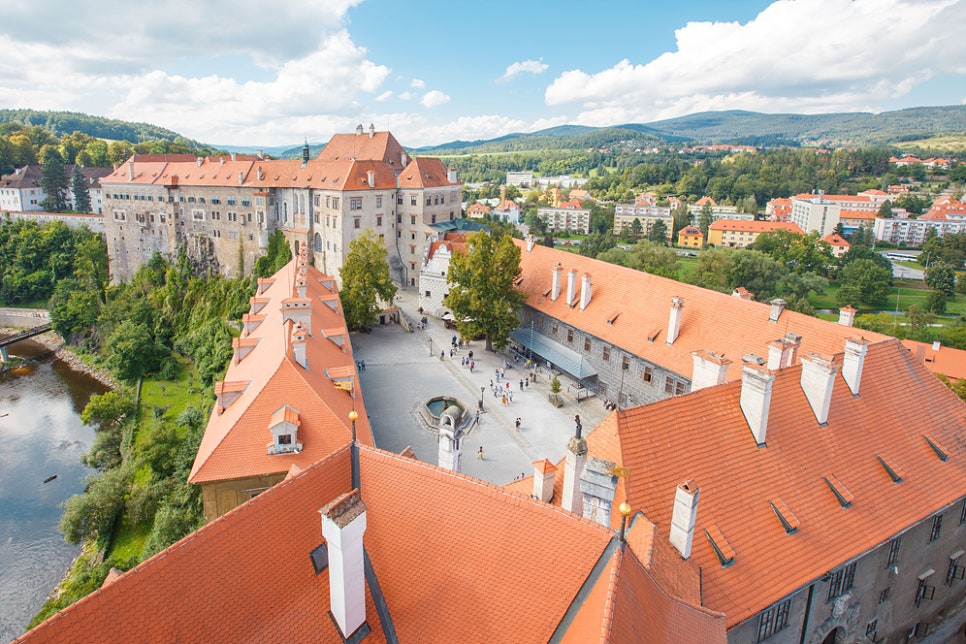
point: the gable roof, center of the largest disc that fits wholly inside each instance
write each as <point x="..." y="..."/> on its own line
<point x="752" y="226"/>
<point x="364" y="146"/>
<point x="704" y="436"/>
<point x="836" y="240"/>
<point x="947" y="361"/>
<point x="424" y="172"/>
<point x="629" y="306"/>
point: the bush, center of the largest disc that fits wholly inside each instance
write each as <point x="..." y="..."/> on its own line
<point x="91" y="515"/>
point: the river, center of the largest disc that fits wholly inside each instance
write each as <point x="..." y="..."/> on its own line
<point x="40" y="435"/>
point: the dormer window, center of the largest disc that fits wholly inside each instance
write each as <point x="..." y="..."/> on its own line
<point x="284" y="425"/>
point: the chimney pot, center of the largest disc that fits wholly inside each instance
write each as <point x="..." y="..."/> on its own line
<point x="709" y="369"/>
<point x="777" y="306"/>
<point x="852" y="363"/>
<point x="846" y="316"/>
<point x="684" y="517"/>
<point x="674" y="321"/>
<point x="543" y="473"/>
<point x="818" y="378"/>
<point x="571" y="285"/>
<point x="755" y="401"/>
<point x="586" y="291"/>
<point x="343" y="525"/>
<point x="572" y="499"/>
<point x="555" y="283"/>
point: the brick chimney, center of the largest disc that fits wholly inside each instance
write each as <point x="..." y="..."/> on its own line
<point x="598" y="485"/>
<point x="585" y="291"/>
<point x="792" y="343"/>
<point x="674" y="322"/>
<point x="818" y="378"/>
<point x="742" y="293"/>
<point x="298" y="346"/>
<point x="555" y="283"/>
<point x="782" y="352"/>
<point x="756" y="386"/>
<point x="709" y="369"/>
<point x="684" y="517"/>
<point x="571" y="499"/>
<point x="543" y="473"/>
<point x="852" y="363"/>
<point x="571" y="285"/>
<point x="343" y="524"/>
<point x="777" y="306"/>
<point x="846" y="315"/>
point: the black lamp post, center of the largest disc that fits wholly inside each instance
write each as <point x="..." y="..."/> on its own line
<point x="482" y="389"/>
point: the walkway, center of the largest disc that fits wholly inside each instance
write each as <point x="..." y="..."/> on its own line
<point x="404" y="369"/>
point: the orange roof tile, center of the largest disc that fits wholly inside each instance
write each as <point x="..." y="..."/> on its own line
<point x="948" y="361"/>
<point x="898" y="402"/>
<point x="836" y="240"/>
<point x="381" y="146"/>
<point x="424" y="172"/>
<point x="755" y="226"/>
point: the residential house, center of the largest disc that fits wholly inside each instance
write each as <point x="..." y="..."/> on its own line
<point x="569" y="216"/>
<point x="838" y="244"/>
<point x="477" y="210"/>
<point x="690" y="237"/>
<point x="731" y="233"/>
<point x="646" y="214"/>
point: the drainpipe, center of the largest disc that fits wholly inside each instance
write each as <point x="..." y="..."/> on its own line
<point x="808" y="609"/>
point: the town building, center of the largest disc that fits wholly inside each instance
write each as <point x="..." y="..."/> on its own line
<point x="817" y="498"/>
<point x="285" y="400"/>
<point x="778" y="209"/>
<point x="838" y="244"/>
<point x="945" y="361"/>
<point x="477" y="210"/>
<point x="732" y="233"/>
<point x="690" y="237"/>
<point x="433" y="287"/>
<point x="72" y="220"/>
<point x="221" y="210"/>
<point x="21" y="191"/>
<point x="946" y="217"/>
<point x="646" y="213"/>
<point x="568" y="216"/>
<point x="718" y="211"/>
<point x="520" y="179"/>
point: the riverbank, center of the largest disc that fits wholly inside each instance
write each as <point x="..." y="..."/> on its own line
<point x="57" y="347"/>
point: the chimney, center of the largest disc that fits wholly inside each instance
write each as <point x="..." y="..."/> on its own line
<point x="742" y="293"/>
<point x="451" y="175"/>
<point x="259" y="154"/>
<point x="300" y="286"/>
<point x="756" y="385"/>
<point x="571" y="285"/>
<point x="372" y="130"/>
<point x="777" y="306"/>
<point x="936" y="345"/>
<point x="221" y="160"/>
<point x="852" y="363"/>
<point x="261" y="175"/>
<point x="555" y="284"/>
<point x="298" y="346"/>
<point x="818" y="378"/>
<point x="241" y="178"/>
<point x="684" y="516"/>
<point x="585" y="291"/>
<point x="709" y="369"/>
<point x="792" y="342"/>
<point x="371" y="179"/>
<point x="531" y="242"/>
<point x="543" y="473"/>
<point x="782" y="352"/>
<point x="343" y="524"/>
<point x="598" y="485"/>
<point x="404" y="158"/>
<point x="130" y="170"/>
<point x="674" y="322"/>
<point x="572" y="500"/>
<point x="846" y="315"/>
<point x="297" y="310"/>
<point x="359" y="130"/>
<point x="233" y="156"/>
<point x="199" y="161"/>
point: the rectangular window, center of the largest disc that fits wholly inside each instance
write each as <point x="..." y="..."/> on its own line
<point x="429" y="294"/>
<point x="284" y="439"/>
<point x="317" y="217"/>
<point x="398" y="200"/>
<point x="230" y="201"/>
<point x="884" y="595"/>
<point x="586" y="344"/>
<point x="605" y="354"/>
<point x="937" y="528"/>
<point x="841" y="581"/>
<point x="955" y="571"/>
<point x="773" y="620"/>
<point x="198" y="215"/>
<point x="335" y="202"/>
<point x="894" y="546"/>
<point x="412" y="250"/>
<point x="356" y="222"/>
<point x="216" y="233"/>
<point x="625" y="363"/>
<point x="412" y="200"/>
<point x="412" y="220"/>
<point x="379" y="220"/>
<point x="429" y="200"/>
<point x="553" y="328"/>
<point x="355" y="203"/>
<point x="570" y="336"/>
<point x="924" y="590"/>
<point x="434" y="219"/>
<point x="962" y="513"/>
<point x="647" y="374"/>
<point x="379" y="202"/>
<point x="870" y="629"/>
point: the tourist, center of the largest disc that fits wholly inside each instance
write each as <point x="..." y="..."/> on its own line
<point x="479" y="453"/>
<point x="517" y="423"/>
<point x="526" y="382"/>
<point x="521" y="384"/>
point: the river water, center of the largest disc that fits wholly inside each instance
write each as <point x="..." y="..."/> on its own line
<point x="40" y="435"/>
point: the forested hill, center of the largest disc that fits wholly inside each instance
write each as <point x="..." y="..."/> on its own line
<point x="736" y="127"/>
<point x="61" y="123"/>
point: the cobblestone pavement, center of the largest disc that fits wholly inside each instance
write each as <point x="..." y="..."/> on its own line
<point x="404" y="370"/>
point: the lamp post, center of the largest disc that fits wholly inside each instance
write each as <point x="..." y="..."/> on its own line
<point x="431" y="354"/>
<point x="482" y="389"/>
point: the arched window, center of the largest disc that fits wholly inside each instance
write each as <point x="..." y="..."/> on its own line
<point x="318" y="243"/>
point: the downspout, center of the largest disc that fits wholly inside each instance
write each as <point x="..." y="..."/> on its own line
<point x="808" y="609"/>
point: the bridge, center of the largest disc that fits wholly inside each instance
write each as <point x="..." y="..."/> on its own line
<point x="23" y="335"/>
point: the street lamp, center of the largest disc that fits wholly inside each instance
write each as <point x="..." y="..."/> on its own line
<point x="431" y="354"/>
<point x="482" y="389"/>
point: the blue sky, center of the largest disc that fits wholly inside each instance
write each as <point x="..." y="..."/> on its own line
<point x="249" y="73"/>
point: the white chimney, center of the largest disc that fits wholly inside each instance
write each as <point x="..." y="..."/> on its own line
<point x="571" y="285"/>
<point x="298" y="346"/>
<point x="359" y="130"/>
<point x="777" y="306"/>
<point x="709" y="369"/>
<point x="598" y="486"/>
<point x="852" y="363"/>
<point x="531" y="242"/>
<point x="585" y="291"/>
<point x="756" y="386"/>
<point x="818" y="378"/>
<point x="343" y="524"/>
<point x="372" y="130"/>
<point x="130" y="170"/>
<point x="572" y="499"/>
<point x="300" y="286"/>
<point x="241" y="178"/>
<point x="199" y="161"/>
<point x="371" y="179"/>
<point x="233" y="157"/>
<point x="543" y="473"/>
<point x="404" y="158"/>
<point x="297" y="310"/>
<point x="684" y="517"/>
<point x="741" y="293"/>
<point x="846" y="315"/>
<point x="451" y="175"/>
<point x="555" y="283"/>
<point x="792" y="342"/>
<point x="674" y="322"/>
<point x="936" y="345"/>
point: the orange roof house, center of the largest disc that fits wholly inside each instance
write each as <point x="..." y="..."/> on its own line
<point x="690" y="237"/>
<point x="365" y="146"/>
<point x="802" y="482"/>
<point x="839" y="244"/>
<point x="447" y="559"/>
<point x="946" y="361"/>
<point x="477" y="210"/>
<point x="739" y="233"/>
<point x="286" y="396"/>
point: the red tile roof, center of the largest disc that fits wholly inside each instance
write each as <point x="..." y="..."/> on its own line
<point x="705" y="436"/>
<point x="836" y="240"/>
<point x="752" y="226"/>
<point x="424" y="172"/>
<point x="948" y="361"/>
<point x="381" y="146"/>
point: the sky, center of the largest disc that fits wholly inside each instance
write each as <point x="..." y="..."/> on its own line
<point x="263" y="74"/>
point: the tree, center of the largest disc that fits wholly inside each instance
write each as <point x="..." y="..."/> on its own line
<point x="82" y="195"/>
<point x="596" y="243"/>
<point x="365" y="279"/>
<point x="885" y="210"/>
<point x="53" y="179"/>
<point x="109" y="409"/>
<point x="936" y="302"/>
<point x="713" y="269"/>
<point x="654" y="258"/>
<point x="941" y="277"/>
<point x="483" y="295"/>
<point x="636" y="229"/>
<point x="276" y="256"/>
<point x="758" y="273"/>
<point x="705" y="219"/>
<point x="658" y="232"/>
<point x="864" y="281"/>
<point x="132" y="351"/>
<point x="680" y="218"/>
<point x="92" y="514"/>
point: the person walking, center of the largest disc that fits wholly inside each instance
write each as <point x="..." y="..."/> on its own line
<point x="517" y="423"/>
<point x="521" y="384"/>
<point x="479" y="453"/>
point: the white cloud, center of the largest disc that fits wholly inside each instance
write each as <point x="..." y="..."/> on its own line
<point x="385" y="96"/>
<point x="415" y="130"/>
<point x="815" y="56"/>
<point x="418" y="84"/>
<point x="434" y="98"/>
<point x="406" y="96"/>
<point x="526" y="66"/>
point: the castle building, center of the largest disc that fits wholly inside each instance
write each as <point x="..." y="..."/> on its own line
<point x="221" y="210"/>
<point x="21" y="191"/>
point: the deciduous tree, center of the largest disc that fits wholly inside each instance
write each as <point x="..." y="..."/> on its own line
<point x="365" y="280"/>
<point x="863" y="281"/>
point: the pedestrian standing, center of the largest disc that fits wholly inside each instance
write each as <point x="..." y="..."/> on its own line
<point x="504" y="400"/>
<point x="517" y="423"/>
<point x="521" y="384"/>
<point x="509" y="395"/>
<point x="442" y="355"/>
<point x="479" y="453"/>
<point x="472" y="366"/>
<point x="526" y="382"/>
<point x="471" y="355"/>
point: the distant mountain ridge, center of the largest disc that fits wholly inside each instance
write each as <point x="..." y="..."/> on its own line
<point x="61" y="123"/>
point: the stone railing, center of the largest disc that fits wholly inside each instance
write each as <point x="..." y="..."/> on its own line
<point x="23" y="318"/>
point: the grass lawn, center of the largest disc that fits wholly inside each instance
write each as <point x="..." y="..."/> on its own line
<point x="171" y="395"/>
<point x="686" y="266"/>
<point x="129" y="540"/>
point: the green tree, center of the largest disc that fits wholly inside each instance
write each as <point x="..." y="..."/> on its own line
<point x="365" y="280"/>
<point x="636" y="229"/>
<point x="705" y="219"/>
<point x="758" y="273"/>
<point x="53" y="180"/>
<point x="277" y="255"/>
<point x="82" y="195"/>
<point x="92" y="514"/>
<point x="864" y="281"/>
<point x="885" y="210"/>
<point x="655" y="258"/>
<point x="658" y="232"/>
<point x="483" y="296"/>
<point x="596" y="243"/>
<point x="941" y="277"/>
<point x="714" y="269"/>
<point x="132" y="351"/>
<point x="680" y="218"/>
<point x="936" y="302"/>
